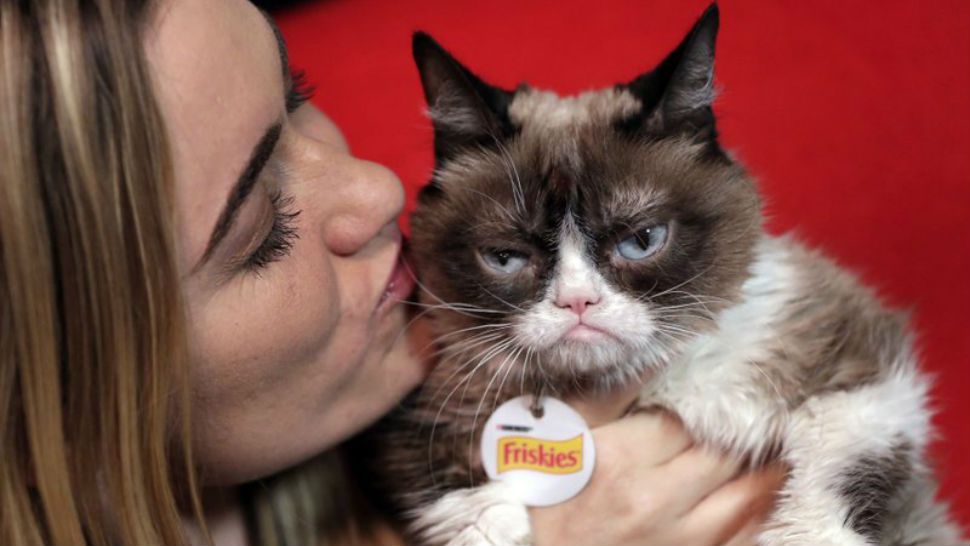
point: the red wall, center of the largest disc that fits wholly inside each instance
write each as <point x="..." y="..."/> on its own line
<point x="855" y="118"/>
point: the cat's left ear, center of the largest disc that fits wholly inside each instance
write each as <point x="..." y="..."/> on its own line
<point x="677" y="95"/>
<point x="465" y="111"/>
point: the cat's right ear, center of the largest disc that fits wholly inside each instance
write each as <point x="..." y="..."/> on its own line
<point x="465" y="111"/>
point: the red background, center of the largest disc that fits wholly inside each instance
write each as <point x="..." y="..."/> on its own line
<point x="855" y="117"/>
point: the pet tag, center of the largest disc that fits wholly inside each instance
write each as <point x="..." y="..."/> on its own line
<point x="546" y="459"/>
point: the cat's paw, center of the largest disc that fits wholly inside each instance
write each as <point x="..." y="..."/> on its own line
<point x="480" y="516"/>
<point x="820" y="535"/>
<point x="500" y="525"/>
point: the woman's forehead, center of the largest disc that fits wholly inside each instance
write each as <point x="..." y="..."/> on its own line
<point x="218" y="80"/>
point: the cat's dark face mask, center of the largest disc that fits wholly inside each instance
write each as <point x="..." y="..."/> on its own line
<point x="585" y="236"/>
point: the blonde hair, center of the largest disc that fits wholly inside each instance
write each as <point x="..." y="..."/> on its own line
<point x="93" y="385"/>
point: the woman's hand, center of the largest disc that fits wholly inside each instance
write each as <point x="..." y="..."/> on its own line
<point x="652" y="487"/>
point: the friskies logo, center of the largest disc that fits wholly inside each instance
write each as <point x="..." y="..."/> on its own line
<point x="547" y="456"/>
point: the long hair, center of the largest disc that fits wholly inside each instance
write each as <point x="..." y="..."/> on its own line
<point x="94" y="423"/>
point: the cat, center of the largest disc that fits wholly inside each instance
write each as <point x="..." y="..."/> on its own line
<point x="579" y="243"/>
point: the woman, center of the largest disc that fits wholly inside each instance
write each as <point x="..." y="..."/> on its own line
<point x="201" y="288"/>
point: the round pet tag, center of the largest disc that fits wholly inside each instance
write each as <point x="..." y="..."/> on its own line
<point x="546" y="459"/>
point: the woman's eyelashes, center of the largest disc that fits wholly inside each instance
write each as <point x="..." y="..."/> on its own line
<point x="299" y="90"/>
<point x="282" y="234"/>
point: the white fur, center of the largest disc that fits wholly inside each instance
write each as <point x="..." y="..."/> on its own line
<point x="556" y="121"/>
<point x="545" y="110"/>
<point x="480" y="516"/>
<point x="716" y="389"/>
<point x="714" y="386"/>
<point x="825" y="436"/>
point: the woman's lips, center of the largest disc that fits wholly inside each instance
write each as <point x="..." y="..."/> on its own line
<point x="399" y="286"/>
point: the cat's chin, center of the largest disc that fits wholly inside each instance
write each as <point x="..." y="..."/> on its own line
<point x="604" y="359"/>
<point x="590" y="352"/>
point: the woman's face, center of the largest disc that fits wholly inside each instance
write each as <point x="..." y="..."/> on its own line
<point x="289" y="249"/>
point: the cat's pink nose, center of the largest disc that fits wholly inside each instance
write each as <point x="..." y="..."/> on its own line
<point x="577" y="301"/>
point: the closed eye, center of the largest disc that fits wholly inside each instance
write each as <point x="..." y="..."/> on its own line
<point x="281" y="237"/>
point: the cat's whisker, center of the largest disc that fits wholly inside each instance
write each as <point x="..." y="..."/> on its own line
<point x="489" y="327"/>
<point x="666" y="333"/>
<point x="408" y="325"/>
<point x="497" y="326"/>
<point x="517" y="182"/>
<point x="489" y="292"/>
<point x="489" y="338"/>
<point x="478" y="409"/>
<point x="452" y="351"/>
<point x="525" y="367"/>
<point x="484" y="360"/>
<point x="703" y="299"/>
<point x="501" y="386"/>
<point x="688" y="306"/>
<point x="431" y="307"/>
<point x="544" y="376"/>
<point x="417" y="317"/>
<point x="672" y="328"/>
<point x="463" y="345"/>
<point x="686" y="315"/>
<point x="427" y="290"/>
<point x="518" y="195"/>
<point x="454" y="307"/>
<point x="697" y="298"/>
<point x="502" y="207"/>
<point x="688" y="281"/>
<point x="478" y="364"/>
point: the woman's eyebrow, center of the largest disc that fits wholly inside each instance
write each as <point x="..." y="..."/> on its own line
<point x="257" y="159"/>
<point x="242" y="188"/>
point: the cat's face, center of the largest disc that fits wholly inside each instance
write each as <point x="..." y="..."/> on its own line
<point x="584" y="236"/>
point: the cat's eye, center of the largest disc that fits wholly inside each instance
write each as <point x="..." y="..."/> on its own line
<point x="504" y="260"/>
<point x="643" y="244"/>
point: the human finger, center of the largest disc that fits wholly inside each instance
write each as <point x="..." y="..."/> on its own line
<point x="747" y="536"/>
<point x="727" y="511"/>
<point x="695" y="474"/>
<point x="655" y="437"/>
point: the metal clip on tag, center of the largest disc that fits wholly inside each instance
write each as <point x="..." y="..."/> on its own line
<point x="535" y="407"/>
<point x="539" y="446"/>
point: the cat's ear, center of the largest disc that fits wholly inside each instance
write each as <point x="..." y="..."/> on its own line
<point x="465" y="110"/>
<point x="678" y="94"/>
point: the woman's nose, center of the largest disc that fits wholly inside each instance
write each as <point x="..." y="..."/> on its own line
<point x="370" y="198"/>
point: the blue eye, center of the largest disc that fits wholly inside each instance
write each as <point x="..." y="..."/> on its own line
<point x="643" y="244"/>
<point x="504" y="261"/>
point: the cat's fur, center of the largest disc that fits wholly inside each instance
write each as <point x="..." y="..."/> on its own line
<point x="765" y="349"/>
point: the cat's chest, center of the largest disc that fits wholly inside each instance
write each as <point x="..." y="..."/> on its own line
<point x="730" y="404"/>
<point x="728" y="385"/>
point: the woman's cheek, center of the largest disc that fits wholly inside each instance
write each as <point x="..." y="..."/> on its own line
<point x="259" y="334"/>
